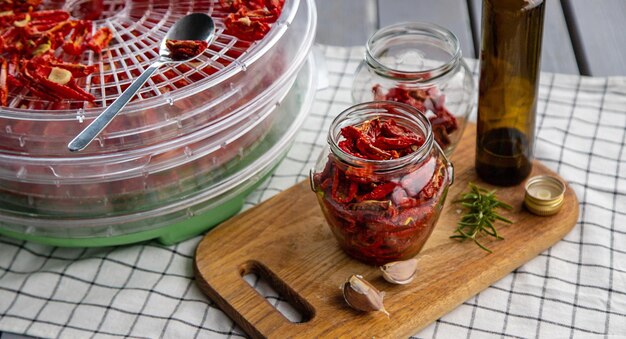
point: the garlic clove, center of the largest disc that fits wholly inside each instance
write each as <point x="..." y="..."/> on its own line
<point x="400" y="272"/>
<point x="362" y="295"/>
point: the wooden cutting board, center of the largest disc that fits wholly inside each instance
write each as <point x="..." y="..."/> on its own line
<point x="286" y="241"/>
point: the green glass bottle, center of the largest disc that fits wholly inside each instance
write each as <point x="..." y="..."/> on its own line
<point x="509" y="80"/>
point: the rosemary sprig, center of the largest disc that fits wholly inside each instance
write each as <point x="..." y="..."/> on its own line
<point x="480" y="216"/>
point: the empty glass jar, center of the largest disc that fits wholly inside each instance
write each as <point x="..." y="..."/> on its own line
<point x="381" y="210"/>
<point x="419" y="64"/>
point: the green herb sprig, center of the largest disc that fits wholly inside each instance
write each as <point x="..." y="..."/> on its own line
<point x="480" y="216"/>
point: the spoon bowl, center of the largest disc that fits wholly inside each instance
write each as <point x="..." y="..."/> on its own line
<point x="196" y="27"/>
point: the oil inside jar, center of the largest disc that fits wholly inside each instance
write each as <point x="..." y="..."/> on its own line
<point x="502" y="156"/>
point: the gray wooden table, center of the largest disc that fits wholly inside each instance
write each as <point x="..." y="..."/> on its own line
<point x="585" y="37"/>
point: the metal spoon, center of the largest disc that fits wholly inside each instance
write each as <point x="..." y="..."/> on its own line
<point x="196" y="26"/>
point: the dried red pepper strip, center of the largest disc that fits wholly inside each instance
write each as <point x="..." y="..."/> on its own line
<point x="379" y="192"/>
<point x="75" y="45"/>
<point x="82" y="94"/>
<point x="360" y="175"/>
<point x="23" y="5"/>
<point x="261" y="15"/>
<point x="427" y="100"/>
<point x="351" y="133"/>
<point x="339" y="192"/>
<point x="387" y="143"/>
<point x="391" y="129"/>
<point x="54" y="15"/>
<point x="34" y="88"/>
<point x="10" y="39"/>
<point x="77" y="70"/>
<point x="372" y="152"/>
<point x="68" y="91"/>
<point x="379" y="140"/>
<point x="55" y="33"/>
<point x="100" y="39"/>
<point x="4" y="89"/>
<point x="348" y="147"/>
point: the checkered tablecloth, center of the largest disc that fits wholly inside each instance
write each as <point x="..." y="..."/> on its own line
<point x="577" y="288"/>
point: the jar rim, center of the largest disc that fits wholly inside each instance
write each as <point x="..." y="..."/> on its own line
<point x="415" y="31"/>
<point x="402" y="113"/>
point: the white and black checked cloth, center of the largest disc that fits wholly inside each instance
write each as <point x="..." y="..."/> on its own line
<point x="577" y="288"/>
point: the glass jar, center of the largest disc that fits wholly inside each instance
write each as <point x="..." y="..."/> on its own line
<point x="419" y="64"/>
<point x="382" y="210"/>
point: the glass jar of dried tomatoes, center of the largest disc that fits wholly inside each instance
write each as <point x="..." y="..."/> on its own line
<point x="419" y="64"/>
<point x="382" y="181"/>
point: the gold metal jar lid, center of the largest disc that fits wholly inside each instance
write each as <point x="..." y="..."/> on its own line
<point x="544" y="195"/>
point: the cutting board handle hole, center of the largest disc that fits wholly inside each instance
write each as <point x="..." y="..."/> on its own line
<point x="280" y="295"/>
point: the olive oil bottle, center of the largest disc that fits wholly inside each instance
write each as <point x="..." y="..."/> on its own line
<point x="509" y="80"/>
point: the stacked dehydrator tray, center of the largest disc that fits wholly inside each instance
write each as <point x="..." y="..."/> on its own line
<point x="181" y="157"/>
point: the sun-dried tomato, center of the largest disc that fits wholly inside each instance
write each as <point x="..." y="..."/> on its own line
<point x="29" y="43"/>
<point x="77" y="70"/>
<point x="250" y="20"/>
<point x="100" y="39"/>
<point x="379" y="140"/>
<point x="245" y="28"/>
<point x="39" y="77"/>
<point x="343" y="191"/>
<point x="88" y="10"/>
<point x="185" y="49"/>
<point x="430" y="102"/>
<point x="235" y="5"/>
<point x="21" y="5"/>
<point x="379" y="192"/>
<point x="76" y="44"/>
<point x="4" y="93"/>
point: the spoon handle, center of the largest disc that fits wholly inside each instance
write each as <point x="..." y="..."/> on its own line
<point x="84" y="138"/>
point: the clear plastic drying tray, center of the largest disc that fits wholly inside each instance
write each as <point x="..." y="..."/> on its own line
<point x="176" y="101"/>
<point x="214" y="143"/>
<point x="190" y="213"/>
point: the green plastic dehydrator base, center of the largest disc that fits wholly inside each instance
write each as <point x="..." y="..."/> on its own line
<point x="168" y="235"/>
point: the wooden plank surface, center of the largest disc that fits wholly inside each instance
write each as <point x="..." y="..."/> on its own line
<point x="451" y="14"/>
<point x="599" y="35"/>
<point x="286" y="241"/>
<point x="557" y="51"/>
<point x="346" y="22"/>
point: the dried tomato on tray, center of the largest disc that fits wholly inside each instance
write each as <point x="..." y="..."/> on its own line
<point x="251" y="20"/>
<point x="185" y="49"/>
<point x="28" y="33"/>
<point x="30" y="41"/>
<point x="379" y="213"/>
